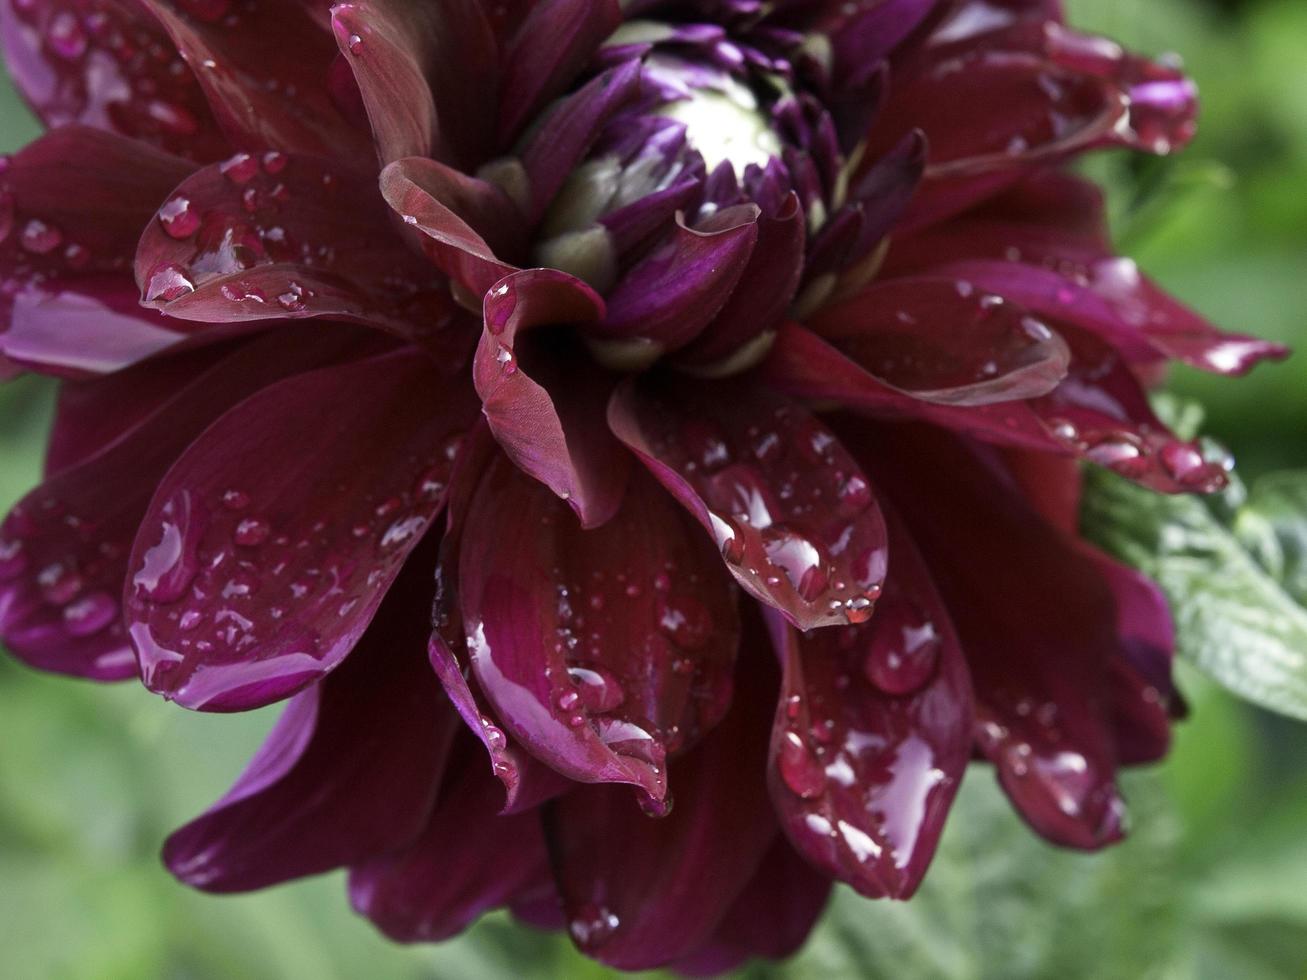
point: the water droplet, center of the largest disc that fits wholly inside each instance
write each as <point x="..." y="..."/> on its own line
<point x="240" y="168"/>
<point x="355" y="44"/>
<point x="167" y="283"/>
<point x="40" y="238"/>
<point x="90" y="614"/>
<point x="178" y="218"/>
<point x="685" y="621"/>
<point x="59" y="583"/>
<point x="799" y="768"/>
<point x="593" y="925"/>
<point x="799" y="558"/>
<point x="905" y="649"/>
<point x="598" y="689"/>
<point x="251" y="532"/>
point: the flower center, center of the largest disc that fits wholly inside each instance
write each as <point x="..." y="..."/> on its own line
<point x="723" y="121"/>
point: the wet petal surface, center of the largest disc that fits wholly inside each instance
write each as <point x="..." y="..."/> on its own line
<point x="269" y="545"/>
<point x="791" y="511"/>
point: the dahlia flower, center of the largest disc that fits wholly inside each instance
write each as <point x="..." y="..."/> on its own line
<point x="572" y="406"/>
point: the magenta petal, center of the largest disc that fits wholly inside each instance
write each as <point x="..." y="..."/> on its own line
<point x="70" y="74"/>
<point x="640" y="892"/>
<point x="426" y="73"/>
<point x="468" y="860"/>
<point x="262" y="96"/>
<point x="70" y="307"/>
<point x="548" y="411"/>
<point x="771" y="918"/>
<point x="459" y="216"/>
<point x="671" y="294"/>
<point x="792" y="513"/>
<point x="270" y="543"/>
<point x="873" y="734"/>
<point x="602" y="651"/>
<point x="274" y="236"/>
<point x="770" y="279"/>
<point x="64" y="547"/>
<point x="1035" y="618"/>
<point x="552" y="152"/>
<point x="349" y="772"/>
<point x="944" y="341"/>
<point x="552" y="44"/>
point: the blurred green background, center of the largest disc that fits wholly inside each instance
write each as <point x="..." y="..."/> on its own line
<point x="1211" y="884"/>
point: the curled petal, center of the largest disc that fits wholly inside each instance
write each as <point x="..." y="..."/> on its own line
<point x="270" y="543"/>
<point x="791" y="511"/>
<point x="64" y="547"/>
<point x="429" y="891"/>
<point x="349" y="772"/>
<point x="603" y="651"/>
<point x="547" y="410"/>
<point x="942" y="340"/>
<point x="873" y="734"/>
<point x="1099" y="411"/>
<point x="427" y="74"/>
<point x="460" y="217"/>
<point x="670" y="295"/>
<point x="262" y="98"/>
<point x="640" y="892"/>
<point x="71" y="74"/>
<point x="274" y="236"/>
<point x="1038" y="627"/>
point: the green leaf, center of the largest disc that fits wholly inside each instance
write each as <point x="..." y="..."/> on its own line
<point x="1224" y="565"/>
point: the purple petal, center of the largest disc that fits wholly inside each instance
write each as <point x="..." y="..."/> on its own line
<point x="873" y="734"/>
<point x="274" y="236"/>
<point x="1035" y="618"/>
<point x="65" y="545"/>
<point x="551" y="45"/>
<point x="270" y="543"/>
<point x="792" y="513"/>
<point x="675" y="291"/>
<point x="640" y="892"/>
<point x="547" y="411"/>
<point x="603" y="651"/>
<point x="468" y="860"/>
<point x="349" y="772"/>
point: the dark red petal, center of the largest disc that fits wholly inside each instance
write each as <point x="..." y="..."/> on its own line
<point x="603" y="651"/>
<point x="547" y="409"/>
<point x="459" y="216"/>
<point x="676" y="290"/>
<point x="427" y="75"/>
<point x="640" y="892"/>
<point x="92" y="414"/>
<point x="109" y="65"/>
<point x="68" y="305"/>
<point x="263" y="68"/>
<point x="469" y="860"/>
<point x="1035" y="618"/>
<point x="873" y="734"/>
<point x="273" y="236"/>
<point x="942" y="340"/>
<point x="1144" y="697"/>
<point x="64" y="547"/>
<point x="1099" y="411"/>
<point x="350" y="771"/>
<point x="1109" y="297"/>
<point x="270" y="543"/>
<point x="771" y="918"/>
<point x="551" y="45"/>
<point x="792" y="513"/>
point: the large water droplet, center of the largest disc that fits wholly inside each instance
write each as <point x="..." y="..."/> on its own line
<point x="799" y="768"/>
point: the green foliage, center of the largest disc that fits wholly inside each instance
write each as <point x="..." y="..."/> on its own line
<point x="1223" y="566"/>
